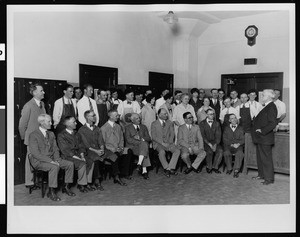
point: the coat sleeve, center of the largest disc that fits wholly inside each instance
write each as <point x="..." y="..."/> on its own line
<point x="23" y="123"/>
<point x="272" y="120"/>
<point x="153" y="133"/>
<point x="146" y="135"/>
<point x="55" y="149"/>
<point x="129" y="138"/>
<point x="200" y="139"/>
<point x="64" y="145"/>
<point x="226" y="138"/>
<point x="35" y="151"/>
<point x="202" y="130"/>
<point x="180" y="138"/>
<point x="83" y="139"/>
<point x="241" y="137"/>
<point x="218" y="133"/>
<point x="57" y="111"/>
<point x="172" y="133"/>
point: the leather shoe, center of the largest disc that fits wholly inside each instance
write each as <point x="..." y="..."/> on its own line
<point x="118" y="181"/>
<point x="267" y="182"/>
<point x="145" y="175"/>
<point x="68" y="191"/>
<point x="33" y="187"/>
<point x="257" y="178"/>
<point x="167" y="173"/>
<point x="139" y="168"/>
<point x="52" y="195"/>
<point x="99" y="186"/>
<point x="82" y="188"/>
<point x="235" y="174"/>
<point x="216" y="171"/>
<point x="229" y="172"/>
<point x="89" y="187"/>
<point x="208" y="170"/>
<point x="188" y="170"/>
<point x="173" y="172"/>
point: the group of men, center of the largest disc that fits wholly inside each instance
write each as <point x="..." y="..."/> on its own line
<point x="80" y="144"/>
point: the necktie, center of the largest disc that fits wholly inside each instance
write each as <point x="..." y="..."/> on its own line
<point x="163" y="124"/>
<point x="129" y="102"/>
<point x="70" y="102"/>
<point x="214" y="100"/>
<point x="41" y="105"/>
<point x="91" y="106"/>
<point x="210" y="121"/>
<point x="190" y="126"/>
<point x="138" y="128"/>
<point x="47" y="139"/>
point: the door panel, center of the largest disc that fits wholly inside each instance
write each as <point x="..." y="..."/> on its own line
<point x="161" y="81"/>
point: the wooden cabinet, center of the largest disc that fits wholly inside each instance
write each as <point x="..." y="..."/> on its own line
<point x="280" y="153"/>
<point x="53" y="90"/>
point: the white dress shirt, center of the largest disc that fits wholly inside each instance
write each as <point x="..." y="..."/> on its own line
<point x="134" y="106"/>
<point x="43" y="130"/>
<point x="159" y="102"/>
<point x="281" y="108"/>
<point x="255" y="107"/>
<point x="83" y="105"/>
<point x="58" y="109"/>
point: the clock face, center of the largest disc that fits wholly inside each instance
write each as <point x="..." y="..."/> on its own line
<point x="251" y="32"/>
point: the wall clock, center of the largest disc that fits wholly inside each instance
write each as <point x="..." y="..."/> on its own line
<point x="251" y="32"/>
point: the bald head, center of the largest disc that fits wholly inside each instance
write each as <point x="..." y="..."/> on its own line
<point x="135" y="119"/>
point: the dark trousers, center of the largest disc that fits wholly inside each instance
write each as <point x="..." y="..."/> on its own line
<point x="265" y="162"/>
<point x="97" y="170"/>
<point x="114" y="166"/>
<point x="125" y="161"/>
<point x="239" y="156"/>
<point x="210" y="155"/>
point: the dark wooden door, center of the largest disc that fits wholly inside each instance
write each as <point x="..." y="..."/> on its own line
<point x="244" y="82"/>
<point x="99" y="77"/>
<point x="160" y="81"/>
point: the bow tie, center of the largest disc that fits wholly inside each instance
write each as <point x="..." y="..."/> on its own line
<point x="129" y="102"/>
<point x="210" y="121"/>
<point x="233" y="126"/>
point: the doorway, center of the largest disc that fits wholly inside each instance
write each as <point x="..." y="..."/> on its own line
<point x="160" y="81"/>
<point x="259" y="81"/>
<point x="99" y="77"/>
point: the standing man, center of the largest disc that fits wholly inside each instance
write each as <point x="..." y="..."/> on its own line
<point x="114" y="141"/>
<point x="72" y="149"/>
<point x="45" y="156"/>
<point x="201" y="95"/>
<point x="163" y="137"/>
<point x="233" y="141"/>
<point x="29" y="122"/>
<point x="191" y="143"/>
<point x="77" y="94"/>
<point x="159" y="102"/>
<point x="137" y="139"/>
<point x="148" y="92"/>
<point x="114" y="98"/>
<point x="214" y="102"/>
<point x="224" y="115"/>
<point x="102" y="107"/>
<point x="281" y="108"/>
<point x="63" y="107"/>
<point x="177" y="98"/>
<point x="245" y="113"/>
<point x="139" y="98"/>
<point x="234" y="98"/>
<point x="263" y="137"/>
<point x="194" y="101"/>
<point x="96" y="153"/>
<point x="255" y="106"/>
<point x="212" y="134"/>
<point x="221" y="93"/>
<point x="87" y="103"/>
<point x="128" y="106"/>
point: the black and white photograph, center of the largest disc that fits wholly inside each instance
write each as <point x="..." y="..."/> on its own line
<point x="151" y="118"/>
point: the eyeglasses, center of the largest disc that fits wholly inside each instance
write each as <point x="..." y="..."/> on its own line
<point x="189" y="117"/>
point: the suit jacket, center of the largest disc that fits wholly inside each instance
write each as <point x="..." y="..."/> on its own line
<point x="113" y="136"/>
<point x="70" y="144"/>
<point x="39" y="148"/>
<point x="28" y="121"/>
<point x="130" y="132"/>
<point x="266" y="121"/>
<point x="216" y="107"/>
<point x="230" y="137"/>
<point x="162" y="134"/>
<point x="211" y="134"/>
<point x="188" y="138"/>
<point x="91" y="138"/>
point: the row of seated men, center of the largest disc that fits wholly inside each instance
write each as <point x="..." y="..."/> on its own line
<point x="137" y="135"/>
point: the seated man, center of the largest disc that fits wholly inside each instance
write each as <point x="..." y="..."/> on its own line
<point x="72" y="149"/>
<point x="93" y="142"/>
<point x="45" y="156"/>
<point x="191" y="142"/>
<point x="211" y="133"/>
<point x="137" y="139"/>
<point x="163" y="137"/>
<point x="233" y="141"/>
<point x="114" y="141"/>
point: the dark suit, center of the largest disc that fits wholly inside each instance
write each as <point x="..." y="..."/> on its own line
<point x="216" y="107"/>
<point x="93" y="139"/>
<point x="191" y="142"/>
<point x="233" y="137"/>
<point x="196" y="105"/>
<point x="165" y="134"/>
<point x="71" y="145"/>
<point x="43" y="151"/>
<point x="138" y="146"/>
<point x="212" y="134"/>
<point x="266" y="121"/>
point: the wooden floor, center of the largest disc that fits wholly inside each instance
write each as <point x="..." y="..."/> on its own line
<point x="191" y="189"/>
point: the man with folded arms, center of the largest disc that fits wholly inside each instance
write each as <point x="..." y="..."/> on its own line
<point x="45" y="156"/>
<point x="137" y="139"/>
<point x="163" y="137"/>
<point x="212" y="134"/>
<point x="233" y="141"/>
<point x="114" y="141"/>
<point x="72" y="149"/>
<point x="191" y="143"/>
<point x="93" y="142"/>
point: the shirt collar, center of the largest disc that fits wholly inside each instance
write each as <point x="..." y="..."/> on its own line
<point x="89" y="126"/>
<point x="188" y="125"/>
<point x="135" y="126"/>
<point x="267" y="103"/>
<point x="43" y="130"/>
<point x="69" y="131"/>
<point x="161" y="121"/>
<point x="209" y="120"/>
<point x="111" y="123"/>
<point x="38" y="102"/>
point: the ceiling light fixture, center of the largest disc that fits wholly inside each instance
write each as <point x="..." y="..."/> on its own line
<point x="171" y="18"/>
